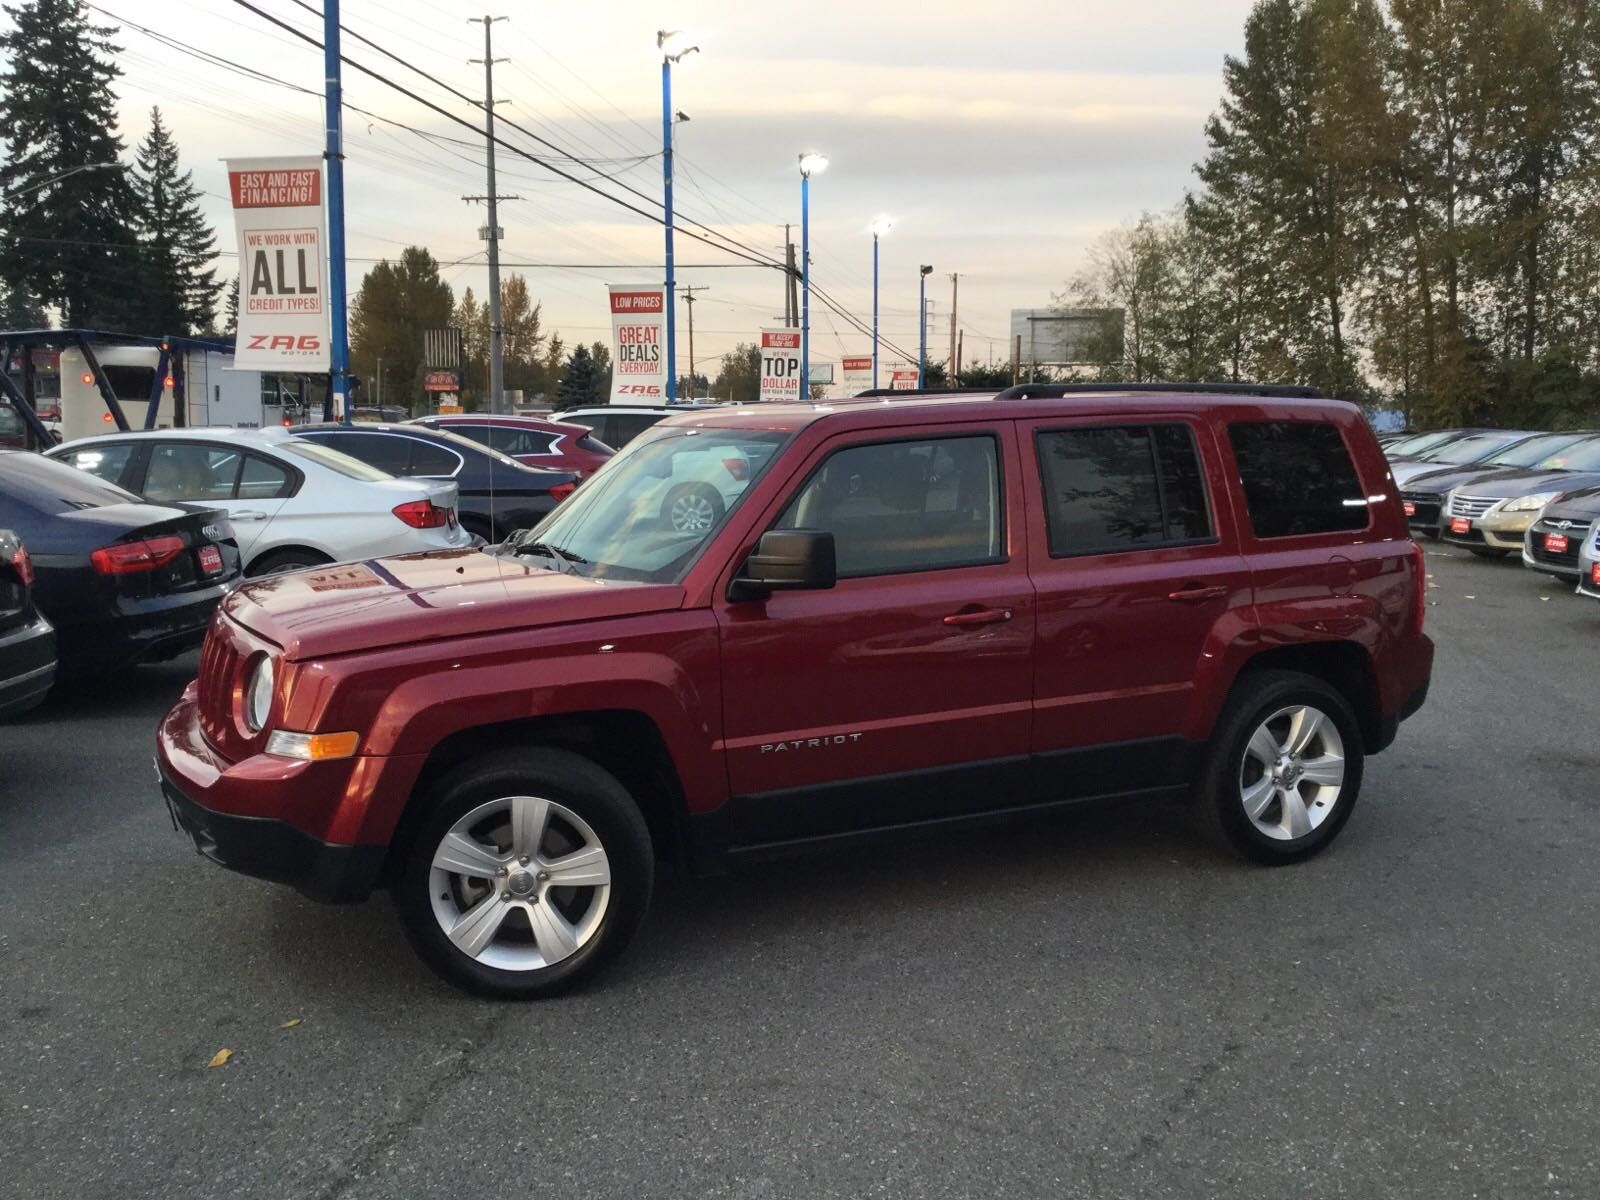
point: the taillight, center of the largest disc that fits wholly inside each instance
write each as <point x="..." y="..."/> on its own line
<point x="24" y="566"/>
<point x="1420" y="562"/>
<point x="739" y="468"/>
<point x="561" y="491"/>
<point x="130" y="558"/>
<point x="422" y="514"/>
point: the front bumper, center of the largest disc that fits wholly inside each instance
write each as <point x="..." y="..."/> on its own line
<point x="254" y="816"/>
<point x="1495" y="531"/>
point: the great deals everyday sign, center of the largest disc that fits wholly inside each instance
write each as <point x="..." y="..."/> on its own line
<point x="638" y="345"/>
<point x="283" y="307"/>
<point x="780" y="364"/>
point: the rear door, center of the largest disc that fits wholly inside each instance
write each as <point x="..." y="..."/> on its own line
<point x="1133" y="555"/>
<point x="901" y="694"/>
<point x="249" y="487"/>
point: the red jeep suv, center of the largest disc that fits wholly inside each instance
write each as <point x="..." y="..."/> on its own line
<point x="904" y="614"/>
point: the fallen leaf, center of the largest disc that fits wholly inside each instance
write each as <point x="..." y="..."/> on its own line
<point x="220" y="1057"/>
<point x="290" y="1024"/>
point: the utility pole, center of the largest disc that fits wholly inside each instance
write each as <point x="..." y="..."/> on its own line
<point x="491" y="231"/>
<point x="961" y="339"/>
<point x="339" y="351"/>
<point x="688" y="298"/>
<point x="791" y="298"/>
<point x="950" y="362"/>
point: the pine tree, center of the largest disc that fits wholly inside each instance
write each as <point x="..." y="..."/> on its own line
<point x="581" y="382"/>
<point x="181" y="288"/>
<point x="396" y="304"/>
<point x="68" y="226"/>
<point x="231" y="309"/>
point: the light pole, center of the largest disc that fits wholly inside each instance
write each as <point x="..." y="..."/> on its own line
<point x="922" y="326"/>
<point x="670" y="43"/>
<point x="880" y="227"/>
<point x="99" y="166"/>
<point x="810" y="164"/>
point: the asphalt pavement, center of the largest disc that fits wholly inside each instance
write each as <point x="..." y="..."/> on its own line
<point x="1104" y="1006"/>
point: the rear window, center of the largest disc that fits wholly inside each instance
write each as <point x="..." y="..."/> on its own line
<point x="1298" y="478"/>
<point x="52" y="487"/>
<point x="593" y="445"/>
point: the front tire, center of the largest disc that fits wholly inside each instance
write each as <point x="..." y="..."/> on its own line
<point x="531" y="871"/>
<point x="1284" y="767"/>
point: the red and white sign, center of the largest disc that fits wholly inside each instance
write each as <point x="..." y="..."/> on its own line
<point x="901" y="379"/>
<point x="1556" y="543"/>
<point x="857" y="372"/>
<point x="283" y="309"/>
<point x="638" y="344"/>
<point x="780" y="365"/>
<point x="441" y="381"/>
<point x="1460" y="525"/>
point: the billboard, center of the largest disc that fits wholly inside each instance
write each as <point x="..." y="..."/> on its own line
<point x="1067" y="337"/>
<point x="780" y="365"/>
<point x="638" y="344"/>
<point x="283" y="309"/>
<point x="857" y="372"/>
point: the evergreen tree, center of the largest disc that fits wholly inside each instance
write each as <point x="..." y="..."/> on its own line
<point x="18" y="310"/>
<point x="230" y="309"/>
<point x="67" y="223"/>
<point x="581" y="383"/>
<point x="180" y="291"/>
<point x="739" y="379"/>
<point x="396" y="304"/>
<point x="601" y="353"/>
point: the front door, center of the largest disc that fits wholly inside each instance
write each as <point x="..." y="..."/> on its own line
<point x="901" y="694"/>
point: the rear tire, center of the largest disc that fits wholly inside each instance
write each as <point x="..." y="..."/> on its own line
<point x="692" y="508"/>
<point x="480" y="889"/>
<point x="280" y="561"/>
<point x="1284" y="767"/>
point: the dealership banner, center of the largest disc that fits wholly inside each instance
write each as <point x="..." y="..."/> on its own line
<point x="283" y="240"/>
<point x="857" y="372"/>
<point x="638" y="344"/>
<point x="900" y="378"/>
<point x="780" y="364"/>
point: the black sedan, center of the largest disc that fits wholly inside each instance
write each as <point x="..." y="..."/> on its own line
<point x="27" y="643"/>
<point x="498" y="495"/>
<point x="122" y="581"/>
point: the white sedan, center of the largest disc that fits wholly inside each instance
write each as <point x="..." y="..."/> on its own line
<point x="292" y="503"/>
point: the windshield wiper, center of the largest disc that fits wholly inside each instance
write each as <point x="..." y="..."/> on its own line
<point x="565" y="559"/>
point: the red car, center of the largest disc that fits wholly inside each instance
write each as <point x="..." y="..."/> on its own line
<point x="945" y="610"/>
<point x="530" y="440"/>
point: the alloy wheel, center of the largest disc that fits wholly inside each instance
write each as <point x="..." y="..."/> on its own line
<point x="692" y="513"/>
<point x="520" y="883"/>
<point x="1292" y="773"/>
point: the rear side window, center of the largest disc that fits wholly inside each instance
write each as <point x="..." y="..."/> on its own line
<point x="431" y="460"/>
<point x="897" y="507"/>
<point x="1125" y="487"/>
<point x="391" y="455"/>
<point x="1298" y="478"/>
<point x="263" y="480"/>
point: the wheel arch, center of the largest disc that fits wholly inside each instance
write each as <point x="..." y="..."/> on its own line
<point x="287" y="547"/>
<point x="1345" y="666"/>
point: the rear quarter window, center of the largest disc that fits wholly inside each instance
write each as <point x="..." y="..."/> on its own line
<point x="1298" y="478"/>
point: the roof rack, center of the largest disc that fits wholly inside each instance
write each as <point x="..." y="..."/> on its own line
<point x="896" y="393"/>
<point x="1056" y="391"/>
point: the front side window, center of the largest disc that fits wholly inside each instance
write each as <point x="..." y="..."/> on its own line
<point x="1125" y="487"/>
<point x="1298" y="478"/>
<point x="894" y="507"/>
<point x="189" y="471"/>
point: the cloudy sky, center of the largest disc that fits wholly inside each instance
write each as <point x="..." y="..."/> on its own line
<point x="1002" y="136"/>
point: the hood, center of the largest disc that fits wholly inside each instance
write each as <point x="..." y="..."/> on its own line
<point x="1580" y="505"/>
<point x="348" y="607"/>
<point x="1512" y="482"/>
<point x="1441" y="479"/>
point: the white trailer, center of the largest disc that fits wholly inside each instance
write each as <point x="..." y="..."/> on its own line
<point x="214" y="393"/>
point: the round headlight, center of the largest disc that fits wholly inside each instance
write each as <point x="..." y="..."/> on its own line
<point x="258" y="695"/>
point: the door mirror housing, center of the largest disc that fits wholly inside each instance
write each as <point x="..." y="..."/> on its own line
<point x="787" y="560"/>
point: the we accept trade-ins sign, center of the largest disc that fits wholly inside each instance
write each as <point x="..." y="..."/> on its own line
<point x="638" y="345"/>
<point x="283" y="309"/>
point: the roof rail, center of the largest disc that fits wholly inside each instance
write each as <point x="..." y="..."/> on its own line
<point x="892" y="393"/>
<point x="1056" y="391"/>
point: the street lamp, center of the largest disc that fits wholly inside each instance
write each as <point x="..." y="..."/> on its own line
<point x="810" y="164"/>
<point x="99" y="166"/>
<point x="880" y="226"/>
<point x="922" y="323"/>
<point x="673" y="50"/>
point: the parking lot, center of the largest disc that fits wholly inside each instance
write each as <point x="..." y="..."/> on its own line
<point x="1105" y="1006"/>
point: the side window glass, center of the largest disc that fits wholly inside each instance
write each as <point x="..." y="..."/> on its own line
<point x="389" y="454"/>
<point x="108" y="462"/>
<point x="1120" y="488"/>
<point x="895" y="507"/>
<point x="430" y="460"/>
<point x="262" y="480"/>
<point x="186" y="471"/>
<point x="1298" y="478"/>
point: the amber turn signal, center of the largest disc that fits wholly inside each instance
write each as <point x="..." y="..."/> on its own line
<point x="312" y="747"/>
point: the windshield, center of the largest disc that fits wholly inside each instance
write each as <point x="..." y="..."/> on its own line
<point x="1473" y="448"/>
<point x="351" y="468"/>
<point x="1534" y="450"/>
<point x="662" y="498"/>
<point x="1422" y="441"/>
<point x="1585" y="456"/>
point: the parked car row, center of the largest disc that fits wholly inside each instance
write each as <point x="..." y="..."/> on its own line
<point x="1500" y="492"/>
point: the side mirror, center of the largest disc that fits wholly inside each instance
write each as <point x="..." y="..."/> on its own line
<point x="786" y="560"/>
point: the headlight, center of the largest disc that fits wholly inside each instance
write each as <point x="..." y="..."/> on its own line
<point x="1530" y="503"/>
<point x="258" y="695"/>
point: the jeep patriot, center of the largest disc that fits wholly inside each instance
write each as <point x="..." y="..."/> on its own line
<point x="891" y="614"/>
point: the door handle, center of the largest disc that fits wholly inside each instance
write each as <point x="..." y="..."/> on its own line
<point x="983" y="616"/>
<point x="1195" y="594"/>
<point x="248" y="514"/>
